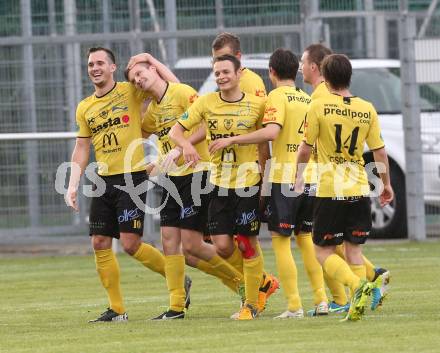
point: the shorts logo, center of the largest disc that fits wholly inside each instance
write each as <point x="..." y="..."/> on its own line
<point x="358" y="233"/>
<point x="332" y="236"/>
<point x="129" y="215"/>
<point x="187" y="212"/>
<point x="109" y="138"/>
<point x="212" y="124"/>
<point x="228" y="155"/>
<point x="286" y="226"/>
<point x="228" y="123"/>
<point x="246" y="218"/>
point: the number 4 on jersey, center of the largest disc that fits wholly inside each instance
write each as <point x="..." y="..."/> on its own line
<point x="353" y="139"/>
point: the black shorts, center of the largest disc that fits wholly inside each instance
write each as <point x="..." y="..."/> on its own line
<point x="304" y="216"/>
<point x="115" y="211"/>
<point x="193" y="212"/>
<point x="337" y="220"/>
<point x="281" y="209"/>
<point x="230" y="212"/>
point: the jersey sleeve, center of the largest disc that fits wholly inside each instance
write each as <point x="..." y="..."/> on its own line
<point x="188" y="96"/>
<point x="148" y="122"/>
<point x="311" y="128"/>
<point x="138" y="95"/>
<point x="193" y="116"/>
<point x="260" y="89"/>
<point x="374" y="139"/>
<point x="274" y="110"/>
<point x="83" y="127"/>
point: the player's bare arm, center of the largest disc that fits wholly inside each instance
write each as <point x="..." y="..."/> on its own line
<point x="304" y="153"/>
<point x="387" y="194"/>
<point x="162" y="69"/>
<point x="80" y="157"/>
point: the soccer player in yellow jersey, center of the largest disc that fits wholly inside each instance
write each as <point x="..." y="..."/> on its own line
<point x="250" y="82"/>
<point x="235" y="174"/>
<point x="311" y="61"/>
<point x="340" y="124"/>
<point x="181" y="224"/>
<point x="283" y="122"/>
<point x="110" y="120"/>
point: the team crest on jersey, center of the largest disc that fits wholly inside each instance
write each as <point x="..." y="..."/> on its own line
<point x="228" y="123"/>
<point x="212" y="124"/>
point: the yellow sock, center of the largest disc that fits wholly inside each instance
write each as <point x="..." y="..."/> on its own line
<point x="312" y="266"/>
<point x="369" y="267"/>
<point x="150" y="257"/>
<point x="337" y="290"/>
<point x="207" y="268"/>
<point x="358" y="270"/>
<point x="108" y="269"/>
<point x="236" y="259"/>
<point x="175" y="275"/>
<point x="253" y="271"/>
<point x="338" y="269"/>
<point x="287" y="271"/>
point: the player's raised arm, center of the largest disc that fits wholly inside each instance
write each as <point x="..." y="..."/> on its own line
<point x="161" y="68"/>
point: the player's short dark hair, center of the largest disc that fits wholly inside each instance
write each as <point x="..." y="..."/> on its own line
<point x="284" y="63"/>
<point x="226" y="39"/>
<point x="337" y="70"/>
<point x="317" y="53"/>
<point x="228" y="57"/>
<point x="110" y="54"/>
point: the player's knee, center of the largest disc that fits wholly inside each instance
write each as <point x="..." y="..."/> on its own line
<point x="130" y="246"/>
<point x="101" y="242"/>
<point x="247" y="249"/>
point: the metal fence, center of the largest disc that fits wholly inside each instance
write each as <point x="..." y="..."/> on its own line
<point x="43" y="73"/>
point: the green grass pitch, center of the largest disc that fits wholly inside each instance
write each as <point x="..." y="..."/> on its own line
<point x="46" y="302"/>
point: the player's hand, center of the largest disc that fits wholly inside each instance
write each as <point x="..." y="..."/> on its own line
<point x="71" y="198"/>
<point x="387" y="195"/>
<point x="219" y="144"/>
<point x="139" y="58"/>
<point x="190" y="155"/>
<point x="169" y="161"/>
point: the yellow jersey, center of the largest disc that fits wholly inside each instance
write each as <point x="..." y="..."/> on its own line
<point x="113" y="122"/>
<point x="235" y="166"/>
<point x="340" y="126"/>
<point x="161" y="116"/>
<point x="252" y="83"/>
<point x="286" y="106"/>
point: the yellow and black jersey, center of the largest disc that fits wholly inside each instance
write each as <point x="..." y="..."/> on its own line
<point x="161" y="116"/>
<point x="320" y="91"/>
<point x="235" y="166"/>
<point x="340" y="126"/>
<point x="113" y="122"/>
<point x="286" y="106"/>
<point x="311" y="172"/>
<point x="252" y="83"/>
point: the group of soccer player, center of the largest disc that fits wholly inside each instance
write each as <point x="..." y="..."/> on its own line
<point x="222" y="178"/>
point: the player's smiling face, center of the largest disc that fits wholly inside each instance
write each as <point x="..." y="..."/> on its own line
<point x="100" y="68"/>
<point x="142" y="76"/>
<point x="225" y="75"/>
